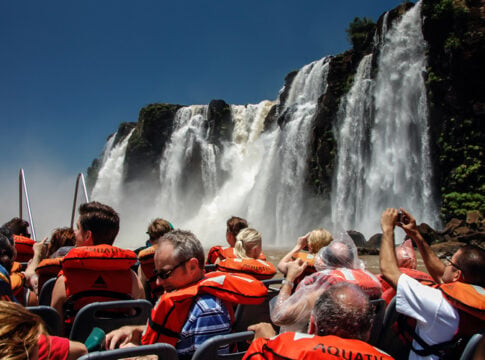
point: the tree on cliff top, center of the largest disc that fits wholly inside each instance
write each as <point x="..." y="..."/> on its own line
<point x="360" y="33"/>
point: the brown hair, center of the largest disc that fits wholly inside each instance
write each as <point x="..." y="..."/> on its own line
<point x="19" y="331"/>
<point x="101" y="220"/>
<point x="158" y="228"/>
<point x="471" y="261"/>
<point x="61" y="237"/>
<point x="18" y="226"/>
<point x="236" y="224"/>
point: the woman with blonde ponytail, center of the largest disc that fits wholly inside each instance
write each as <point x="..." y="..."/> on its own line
<point x="248" y="244"/>
<point x="248" y="251"/>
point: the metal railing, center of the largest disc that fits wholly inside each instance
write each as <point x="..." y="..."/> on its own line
<point x="22" y="191"/>
<point x="79" y="180"/>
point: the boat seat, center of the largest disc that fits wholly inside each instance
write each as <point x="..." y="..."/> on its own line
<point x="50" y="316"/>
<point x="476" y="342"/>
<point x="163" y="351"/>
<point x="107" y="316"/>
<point x="208" y="350"/>
<point x="379" y="306"/>
<point x="45" y="294"/>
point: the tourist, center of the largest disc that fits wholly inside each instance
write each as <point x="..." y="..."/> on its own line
<point x="312" y="242"/>
<point x="335" y="263"/>
<point x="440" y="312"/>
<point x="186" y="315"/>
<point x="340" y="325"/>
<point x="247" y="251"/>
<point x="95" y="265"/>
<point x="155" y="231"/>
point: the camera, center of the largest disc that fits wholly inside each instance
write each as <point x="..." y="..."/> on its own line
<point x="401" y="218"/>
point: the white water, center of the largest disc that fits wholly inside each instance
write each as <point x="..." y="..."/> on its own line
<point x="383" y="156"/>
<point x="385" y="161"/>
<point x="108" y="187"/>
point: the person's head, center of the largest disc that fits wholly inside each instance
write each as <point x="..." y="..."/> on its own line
<point x="19" y="332"/>
<point x="157" y="229"/>
<point x="97" y="224"/>
<point x="8" y="233"/>
<point x="405" y="255"/>
<point x="341" y="252"/>
<point x="7" y="252"/>
<point x="317" y="239"/>
<point x="61" y="237"/>
<point x="18" y="226"/>
<point x="467" y="264"/>
<point x="179" y="260"/>
<point x="342" y="310"/>
<point x="248" y="244"/>
<point x="234" y="225"/>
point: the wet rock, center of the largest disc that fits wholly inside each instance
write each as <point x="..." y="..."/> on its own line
<point x="359" y="239"/>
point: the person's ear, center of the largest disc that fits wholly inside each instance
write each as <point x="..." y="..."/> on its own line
<point x="457" y="275"/>
<point x="88" y="237"/>
<point x="312" y="327"/>
<point x="193" y="264"/>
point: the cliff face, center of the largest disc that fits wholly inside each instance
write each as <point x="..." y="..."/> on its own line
<point x="455" y="33"/>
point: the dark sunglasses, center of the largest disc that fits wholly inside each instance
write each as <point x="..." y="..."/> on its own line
<point x="448" y="259"/>
<point x="165" y="274"/>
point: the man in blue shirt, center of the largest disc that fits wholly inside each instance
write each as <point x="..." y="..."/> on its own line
<point x="179" y="266"/>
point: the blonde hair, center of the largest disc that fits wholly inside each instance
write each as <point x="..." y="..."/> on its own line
<point x="246" y="239"/>
<point x="319" y="238"/>
<point x="19" y="331"/>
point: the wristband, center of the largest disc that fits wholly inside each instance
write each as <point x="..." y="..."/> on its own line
<point x="291" y="283"/>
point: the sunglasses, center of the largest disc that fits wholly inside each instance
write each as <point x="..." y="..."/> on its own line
<point x="448" y="259"/>
<point x="165" y="274"/>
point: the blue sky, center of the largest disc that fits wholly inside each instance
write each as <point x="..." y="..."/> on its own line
<point x="72" y="71"/>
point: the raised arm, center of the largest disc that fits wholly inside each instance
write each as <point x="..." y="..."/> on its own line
<point x="387" y="256"/>
<point x="433" y="264"/>
<point x="301" y="243"/>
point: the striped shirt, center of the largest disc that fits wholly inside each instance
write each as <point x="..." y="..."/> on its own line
<point x="207" y="317"/>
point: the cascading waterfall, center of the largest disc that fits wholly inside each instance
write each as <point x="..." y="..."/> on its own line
<point x="278" y="201"/>
<point x="352" y="129"/>
<point x="108" y="187"/>
<point x="183" y="187"/>
<point x="383" y="156"/>
<point x="396" y="170"/>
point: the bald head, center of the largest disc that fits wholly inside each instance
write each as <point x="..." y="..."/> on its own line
<point x="343" y="310"/>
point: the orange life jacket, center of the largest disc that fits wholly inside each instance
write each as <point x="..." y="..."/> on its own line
<point x="170" y="312"/>
<point x="48" y="269"/>
<point x="24" y="247"/>
<point x="310" y="260"/>
<point x="290" y="345"/>
<point x="367" y="281"/>
<point x="388" y="291"/>
<point x="306" y="257"/>
<point x="96" y="273"/>
<point x="466" y="297"/>
<point x="16" y="267"/>
<point x="227" y="252"/>
<point x="147" y="263"/>
<point x="19" y="290"/>
<point x="260" y="269"/>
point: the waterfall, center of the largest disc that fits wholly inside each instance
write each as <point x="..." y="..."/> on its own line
<point x="352" y="129"/>
<point x="394" y="169"/>
<point x="108" y="187"/>
<point x="187" y="167"/>
<point x="260" y="172"/>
